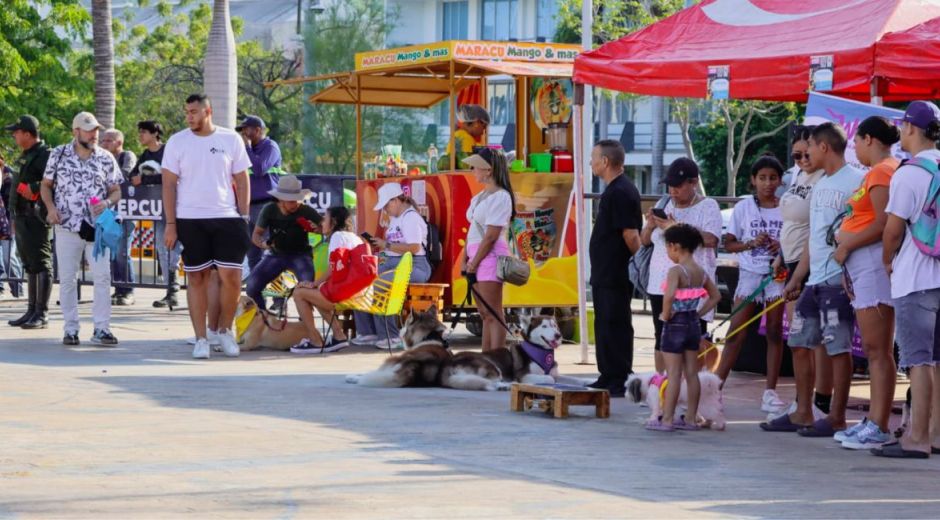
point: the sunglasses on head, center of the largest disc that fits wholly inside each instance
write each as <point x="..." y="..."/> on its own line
<point x="799" y="156"/>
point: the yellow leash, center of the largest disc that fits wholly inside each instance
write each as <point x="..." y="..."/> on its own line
<point x="742" y="327"/>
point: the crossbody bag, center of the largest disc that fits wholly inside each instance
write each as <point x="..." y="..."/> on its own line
<point x="509" y="268"/>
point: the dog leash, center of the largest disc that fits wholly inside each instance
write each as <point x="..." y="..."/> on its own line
<point x="468" y="301"/>
<point x="743" y="326"/>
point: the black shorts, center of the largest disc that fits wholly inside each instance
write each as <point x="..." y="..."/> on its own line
<point x="212" y="242"/>
<point x="681" y="333"/>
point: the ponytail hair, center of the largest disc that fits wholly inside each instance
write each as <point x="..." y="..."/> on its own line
<point x="879" y="128"/>
<point x="341" y="218"/>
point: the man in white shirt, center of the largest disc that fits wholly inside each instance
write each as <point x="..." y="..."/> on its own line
<point x="915" y="282"/>
<point x="205" y="200"/>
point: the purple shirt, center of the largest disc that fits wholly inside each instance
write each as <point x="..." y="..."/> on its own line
<point x="264" y="156"/>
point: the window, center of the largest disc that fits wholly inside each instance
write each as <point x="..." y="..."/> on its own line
<point x="502" y="103"/>
<point x="546" y="10"/>
<point x="455" y="21"/>
<point x="500" y="19"/>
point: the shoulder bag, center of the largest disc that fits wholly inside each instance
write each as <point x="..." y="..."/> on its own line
<point x="639" y="266"/>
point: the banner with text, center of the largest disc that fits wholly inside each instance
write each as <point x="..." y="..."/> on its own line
<point x="849" y="114"/>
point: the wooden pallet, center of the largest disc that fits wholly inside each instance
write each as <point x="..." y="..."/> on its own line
<point x="555" y="399"/>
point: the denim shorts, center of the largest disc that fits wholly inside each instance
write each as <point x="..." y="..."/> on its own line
<point x="682" y="332"/>
<point x="917" y="320"/>
<point x="824" y="315"/>
<point x="867" y="278"/>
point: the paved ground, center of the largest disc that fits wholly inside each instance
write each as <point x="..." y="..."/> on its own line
<point x="145" y="431"/>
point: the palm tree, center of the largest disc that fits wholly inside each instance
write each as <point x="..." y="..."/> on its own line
<point x="221" y="70"/>
<point x="103" y="44"/>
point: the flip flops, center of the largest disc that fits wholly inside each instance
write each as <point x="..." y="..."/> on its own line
<point x="895" y="451"/>
<point x="820" y="428"/>
<point x="780" y="424"/>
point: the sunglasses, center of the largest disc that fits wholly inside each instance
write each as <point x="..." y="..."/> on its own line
<point x="799" y="156"/>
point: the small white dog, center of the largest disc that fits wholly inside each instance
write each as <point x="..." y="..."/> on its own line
<point x="711" y="410"/>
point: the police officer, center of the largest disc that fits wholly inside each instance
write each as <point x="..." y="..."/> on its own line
<point x="31" y="229"/>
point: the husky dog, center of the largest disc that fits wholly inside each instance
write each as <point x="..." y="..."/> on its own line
<point x="265" y="330"/>
<point x="710" y="406"/>
<point x="427" y="360"/>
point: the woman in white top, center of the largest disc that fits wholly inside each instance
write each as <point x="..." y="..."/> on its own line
<point x="307" y="296"/>
<point x="407" y="232"/>
<point x="687" y="206"/>
<point x="794" y="208"/>
<point x="490" y="213"/>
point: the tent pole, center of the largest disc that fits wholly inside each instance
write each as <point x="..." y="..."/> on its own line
<point x="875" y="98"/>
<point x="358" y="128"/>
<point x="453" y="118"/>
<point x="584" y="137"/>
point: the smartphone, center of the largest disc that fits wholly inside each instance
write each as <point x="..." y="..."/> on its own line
<point x="366" y="236"/>
<point x="660" y="213"/>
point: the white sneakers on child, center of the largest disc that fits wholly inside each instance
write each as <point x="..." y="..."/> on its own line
<point x="772" y="403"/>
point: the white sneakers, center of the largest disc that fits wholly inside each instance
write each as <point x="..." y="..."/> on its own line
<point x="224" y="339"/>
<point x="229" y="345"/>
<point x="771" y="402"/>
<point x="366" y="340"/>
<point x="392" y="343"/>
<point x="211" y="335"/>
<point x="201" y="350"/>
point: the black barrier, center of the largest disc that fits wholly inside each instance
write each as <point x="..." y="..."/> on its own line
<point x="143" y="206"/>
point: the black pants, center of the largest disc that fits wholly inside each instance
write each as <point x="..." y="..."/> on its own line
<point x="656" y="306"/>
<point x="613" y="333"/>
<point x="33" y="244"/>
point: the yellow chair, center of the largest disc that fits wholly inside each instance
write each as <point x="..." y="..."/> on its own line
<point x="281" y="287"/>
<point x="386" y="298"/>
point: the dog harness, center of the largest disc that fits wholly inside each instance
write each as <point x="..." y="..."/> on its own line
<point x="543" y="357"/>
<point x="661" y="381"/>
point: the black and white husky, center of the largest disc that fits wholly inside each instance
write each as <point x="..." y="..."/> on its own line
<point x="427" y="360"/>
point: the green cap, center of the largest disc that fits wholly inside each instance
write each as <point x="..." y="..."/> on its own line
<point x="27" y="123"/>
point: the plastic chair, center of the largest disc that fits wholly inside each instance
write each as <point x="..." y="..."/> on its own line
<point x="281" y="287"/>
<point x="387" y="297"/>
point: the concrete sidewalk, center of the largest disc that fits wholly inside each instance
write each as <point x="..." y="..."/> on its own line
<point x="145" y="431"/>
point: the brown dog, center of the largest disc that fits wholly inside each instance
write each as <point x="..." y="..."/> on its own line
<point x="266" y="330"/>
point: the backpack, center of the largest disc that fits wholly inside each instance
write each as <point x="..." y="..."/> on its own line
<point x="925" y="232"/>
<point x="433" y="247"/>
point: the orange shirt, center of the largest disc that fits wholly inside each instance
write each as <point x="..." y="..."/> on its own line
<point x="861" y="212"/>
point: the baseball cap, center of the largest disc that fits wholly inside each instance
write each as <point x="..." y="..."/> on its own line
<point x="250" y="122"/>
<point x="680" y="171"/>
<point x="388" y="192"/>
<point x="86" y="121"/>
<point x="26" y="122"/>
<point x="921" y="114"/>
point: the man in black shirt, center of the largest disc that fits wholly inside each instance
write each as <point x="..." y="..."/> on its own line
<point x="615" y="238"/>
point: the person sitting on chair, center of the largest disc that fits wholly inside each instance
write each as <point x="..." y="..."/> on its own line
<point x="307" y="295"/>
<point x="407" y="232"/>
<point x="288" y="220"/>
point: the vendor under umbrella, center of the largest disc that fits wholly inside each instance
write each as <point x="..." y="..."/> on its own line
<point x="472" y="122"/>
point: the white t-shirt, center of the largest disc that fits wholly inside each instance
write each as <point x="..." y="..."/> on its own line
<point x="407" y="228"/>
<point x="747" y="222"/>
<point x="911" y="270"/>
<point x="706" y="217"/>
<point x="205" y="167"/>
<point x="794" y="208"/>
<point x="487" y="209"/>
<point x="344" y="239"/>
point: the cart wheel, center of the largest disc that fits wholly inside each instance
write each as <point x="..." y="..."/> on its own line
<point x="475" y="325"/>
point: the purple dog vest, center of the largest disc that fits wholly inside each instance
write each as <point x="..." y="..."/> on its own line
<point x="543" y="357"/>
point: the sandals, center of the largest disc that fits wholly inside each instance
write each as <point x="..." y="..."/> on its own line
<point x="657" y="425"/>
<point x="781" y="424"/>
<point x="895" y="451"/>
<point x="682" y="425"/>
<point x="820" y="428"/>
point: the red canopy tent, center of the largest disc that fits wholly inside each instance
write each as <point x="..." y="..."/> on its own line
<point x="910" y="61"/>
<point x="767" y="45"/>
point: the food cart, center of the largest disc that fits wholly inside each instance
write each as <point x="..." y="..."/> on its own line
<point x="424" y="75"/>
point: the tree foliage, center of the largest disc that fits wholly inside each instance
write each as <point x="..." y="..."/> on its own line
<point x="735" y="135"/>
<point x="613" y="19"/>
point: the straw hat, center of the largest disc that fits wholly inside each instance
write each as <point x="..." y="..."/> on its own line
<point x="289" y="188"/>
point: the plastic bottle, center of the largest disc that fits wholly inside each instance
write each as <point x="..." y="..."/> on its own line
<point x="433" y="157"/>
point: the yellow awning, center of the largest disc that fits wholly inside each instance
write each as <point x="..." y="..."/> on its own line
<point x="522" y="68"/>
<point x="388" y="91"/>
